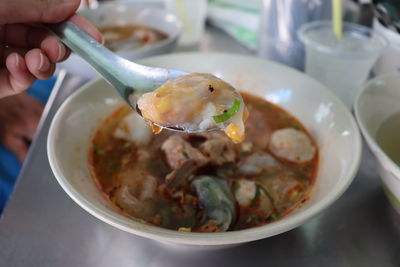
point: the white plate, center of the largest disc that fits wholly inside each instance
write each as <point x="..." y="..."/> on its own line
<point x="327" y="119"/>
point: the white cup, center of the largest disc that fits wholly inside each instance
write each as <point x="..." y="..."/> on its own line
<point x="192" y="14"/>
<point x="343" y="66"/>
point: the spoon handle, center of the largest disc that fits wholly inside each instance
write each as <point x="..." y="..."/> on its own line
<point x="124" y="75"/>
<point x="108" y="64"/>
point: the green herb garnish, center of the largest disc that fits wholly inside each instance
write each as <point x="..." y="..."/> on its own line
<point x="229" y="172"/>
<point x="256" y="196"/>
<point x="127" y="144"/>
<point x="185" y="155"/>
<point x="174" y="209"/>
<point x="235" y="187"/>
<point x="225" y="172"/>
<point x="265" y="191"/>
<point x="99" y="151"/>
<point x="273" y="216"/>
<point x="229" y="113"/>
<point x="165" y="213"/>
<point x="259" y="189"/>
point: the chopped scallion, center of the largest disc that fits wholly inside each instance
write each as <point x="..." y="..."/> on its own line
<point x="235" y="187"/>
<point x="256" y="196"/>
<point x="229" y="172"/>
<point x="229" y="112"/>
<point x="259" y="189"/>
<point x="165" y="216"/>
<point x="174" y="208"/>
<point x="127" y="145"/>
<point x="99" y="151"/>
<point x="185" y="155"/>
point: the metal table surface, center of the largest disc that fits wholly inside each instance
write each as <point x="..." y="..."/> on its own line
<point x="42" y="226"/>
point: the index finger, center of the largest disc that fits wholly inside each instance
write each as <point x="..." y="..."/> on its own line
<point x="31" y="11"/>
<point x="26" y="36"/>
<point x="29" y="37"/>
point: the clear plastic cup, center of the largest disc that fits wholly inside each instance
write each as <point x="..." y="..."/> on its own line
<point x="342" y="65"/>
<point x="192" y="14"/>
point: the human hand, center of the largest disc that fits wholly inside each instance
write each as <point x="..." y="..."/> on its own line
<point x="19" y="118"/>
<point x="28" y="52"/>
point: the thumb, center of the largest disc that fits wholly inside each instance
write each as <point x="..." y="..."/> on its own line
<point x="31" y="11"/>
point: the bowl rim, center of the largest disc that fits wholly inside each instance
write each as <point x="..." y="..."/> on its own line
<point x="392" y="37"/>
<point x="171" y="37"/>
<point x="393" y="167"/>
<point x="209" y="239"/>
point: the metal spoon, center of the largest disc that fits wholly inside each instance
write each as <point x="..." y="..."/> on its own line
<point x="130" y="79"/>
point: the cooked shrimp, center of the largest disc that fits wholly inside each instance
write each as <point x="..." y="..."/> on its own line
<point x="245" y="193"/>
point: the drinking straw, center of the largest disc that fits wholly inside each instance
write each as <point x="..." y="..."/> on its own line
<point x="181" y="8"/>
<point x="337" y="18"/>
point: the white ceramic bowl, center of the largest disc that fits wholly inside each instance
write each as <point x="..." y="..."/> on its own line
<point x="389" y="60"/>
<point x="327" y="119"/>
<point x="376" y="102"/>
<point x="125" y="13"/>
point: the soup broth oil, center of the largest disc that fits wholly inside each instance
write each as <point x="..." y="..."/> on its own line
<point x="388" y="137"/>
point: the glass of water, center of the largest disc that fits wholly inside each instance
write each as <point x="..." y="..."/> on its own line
<point x="342" y="65"/>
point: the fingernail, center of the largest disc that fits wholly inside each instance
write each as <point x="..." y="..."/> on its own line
<point x="61" y="52"/>
<point x="44" y="65"/>
<point x="16" y="60"/>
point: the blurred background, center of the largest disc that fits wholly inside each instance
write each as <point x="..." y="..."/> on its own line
<point x="268" y="28"/>
<point x="274" y="30"/>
